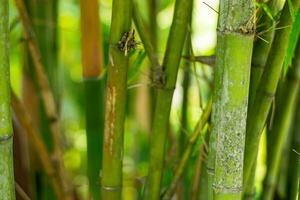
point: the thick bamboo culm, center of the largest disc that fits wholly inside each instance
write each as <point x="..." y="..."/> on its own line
<point x="111" y="180"/>
<point x="164" y="81"/>
<point x="259" y="110"/>
<point x="7" y="184"/>
<point x="92" y="66"/>
<point x="230" y="100"/>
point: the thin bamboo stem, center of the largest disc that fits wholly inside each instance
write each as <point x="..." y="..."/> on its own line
<point x="282" y="122"/>
<point x="230" y="101"/>
<point x="188" y="150"/>
<point x="111" y="182"/>
<point x="259" y="110"/>
<point x="145" y="37"/>
<point x="164" y="81"/>
<point x="92" y="61"/>
<point x="294" y="162"/>
<point x="7" y="188"/>
<point x="26" y="123"/>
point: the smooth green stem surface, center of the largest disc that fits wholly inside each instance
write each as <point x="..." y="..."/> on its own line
<point x="115" y="103"/>
<point x="259" y="110"/>
<point x="282" y="122"/>
<point x="94" y="130"/>
<point x="7" y="189"/>
<point x="164" y="95"/>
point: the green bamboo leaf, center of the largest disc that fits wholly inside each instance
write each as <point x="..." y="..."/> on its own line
<point x="292" y="42"/>
<point x="136" y="66"/>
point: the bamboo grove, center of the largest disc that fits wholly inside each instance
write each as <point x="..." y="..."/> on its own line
<point x="154" y="99"/>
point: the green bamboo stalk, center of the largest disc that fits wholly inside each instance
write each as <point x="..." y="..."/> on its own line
<point x="294" y="161"/>
<point x="111" y="182"/>
<point x="188" y="150"/>
<point x="262" y="45"/>
<point x="259" y="110"/>
<point x="235" y="38"/>
<point x="261" y="50"/>
<point x="282" y="122"/>
<point x="92" y="61"/>
<point x="7" y="188"/>
<point x="165" y="83"/>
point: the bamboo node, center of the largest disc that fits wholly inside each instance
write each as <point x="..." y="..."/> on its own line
<point x="128" y="42"/>
<point x="5" y="138"/>
<point x="267" y="94"/>
<point x="111" y="188"/>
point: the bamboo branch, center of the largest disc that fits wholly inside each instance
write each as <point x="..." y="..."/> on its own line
<point x="7" y="188"/>
<point x="188" y="150"/>
<point x="207" y="60"/>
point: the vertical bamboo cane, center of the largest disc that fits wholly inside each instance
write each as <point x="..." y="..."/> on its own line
<point x="294" y="162"/>
<point x="258" y="112"/>
<point x="115" y="103"/>
<point x="165" y="83"/>
<point x="235" y="38"/>
<point x="282" y="123"/>
<point x="7" y="189"/>
<point x="92" y="67"/>
<point x="261" y="50"/>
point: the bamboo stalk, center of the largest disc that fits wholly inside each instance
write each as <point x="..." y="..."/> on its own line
<point x="92" y="61"/>
<point x="145" y="36"/>
<point x="282" y="122"/>
<point x="46" y="94"/>
<point x="188" y="150"/>
<point x="235" y="38"/>
<point x="261" y="50"/>
<point x="111" y="182"/>
<point x="294" y="161"/>
<point x="258" y="112"/>
<point x="26" y="123"/>
<point x="7" y="188"/>
<point x="164" y="81"/>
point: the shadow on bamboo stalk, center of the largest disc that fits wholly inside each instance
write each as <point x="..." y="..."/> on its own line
<point x="266" y="89"/>
<point x="7" y="188"/>
<point x="92" y="67"/>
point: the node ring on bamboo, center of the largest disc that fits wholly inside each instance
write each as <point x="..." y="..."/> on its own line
<point x="5" y="138"/>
